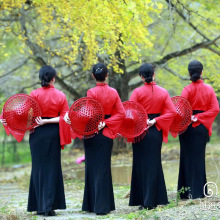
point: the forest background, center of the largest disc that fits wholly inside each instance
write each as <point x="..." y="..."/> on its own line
<point x="74" y="35"/>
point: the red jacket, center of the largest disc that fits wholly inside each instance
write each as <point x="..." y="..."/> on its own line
<point x="156" y="99"/>
<point x="202" y="97"/>
<point x="111" y="103"/>
<point x="53" y="103"/>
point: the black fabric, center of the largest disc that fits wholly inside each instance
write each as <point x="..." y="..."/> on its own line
<point x="197" y="111"/>
<point x="107" y="116"/>
<point x="148" y="185"/>
<point x="192" y="161"/>
<point x="46" y="190"/>
<point x="98" y="191"/>
<point x="152" y="116"/>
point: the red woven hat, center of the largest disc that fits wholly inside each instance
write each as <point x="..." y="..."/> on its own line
<point x="85" y="115"/>
<point x="183" y="117"/>
<point x="135" y="121"/>
<point x="20" y="112"/>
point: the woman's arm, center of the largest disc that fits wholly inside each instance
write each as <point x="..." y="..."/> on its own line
<point x="41" y="121"/>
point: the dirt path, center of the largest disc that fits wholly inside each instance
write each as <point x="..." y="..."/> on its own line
<point x="14" y="193"/>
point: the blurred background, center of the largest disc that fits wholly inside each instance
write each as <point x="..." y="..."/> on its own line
<point x="73" y="36"/>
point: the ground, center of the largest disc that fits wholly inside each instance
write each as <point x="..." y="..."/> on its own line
<point x="14" y="181"/>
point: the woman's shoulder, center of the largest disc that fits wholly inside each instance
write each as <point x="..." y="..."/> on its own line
<point x="60" y="93"/>
<point x="161" y="89"/>
<point x="208" y="86"/>
<point x="112" y="89"/>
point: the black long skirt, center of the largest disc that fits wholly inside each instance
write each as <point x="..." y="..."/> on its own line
<point x="98" y="191"/>
<point x="148" y="187"/>
<point x="192" y="172"/>
<point x="46" y="190"/>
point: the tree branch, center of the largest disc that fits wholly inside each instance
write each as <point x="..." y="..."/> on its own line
<point x="35" y="48"/>
<point x="186" y="20"/>
<point x="16" y="68"/>
<point x="213" y="50"/>
<point x="174" y="73"/>
<point x="26" y="87"/>
<point x="68" y="88"/>
<point x="205" y="44"/>
<point x="135" y="85"/>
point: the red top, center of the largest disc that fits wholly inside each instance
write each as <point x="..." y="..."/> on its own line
<point x="156" y="99"/>
<point x="17" y="135"/>
<point x="202" y="97"/>
<point x="53" y="103"/>
<point x="111" y="103"/>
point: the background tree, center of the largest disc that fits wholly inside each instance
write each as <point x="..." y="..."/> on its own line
<point x="72" y="36"/>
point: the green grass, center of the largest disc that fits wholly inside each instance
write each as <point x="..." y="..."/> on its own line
<point x="14" y="152"/>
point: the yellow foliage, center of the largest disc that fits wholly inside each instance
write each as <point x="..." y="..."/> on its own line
<point x="107" y="26"/>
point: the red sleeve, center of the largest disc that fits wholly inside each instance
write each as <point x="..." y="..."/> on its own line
<point x="64" y="128"/>
<point x="18" y="136"/>
<point x="185" y="93"/>
<point x="134" y="96"/>
<point x="207" y="118"/>
<point x="89" y="94"/>
<point x="164" y="121"/>
<point x="6" y="128"/>
<point x="114" y="122"/>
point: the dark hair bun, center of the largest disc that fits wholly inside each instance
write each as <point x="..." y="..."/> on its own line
<point x="46" y="74"/>
<point x="147" y="71"/>
<point x="100" y="72"/>
<point x="195" y="70"/>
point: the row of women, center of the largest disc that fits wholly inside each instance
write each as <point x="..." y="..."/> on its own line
<point x="148" y="189"/>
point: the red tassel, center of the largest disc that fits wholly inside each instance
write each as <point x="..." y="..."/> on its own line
<point x="140" y="138"/>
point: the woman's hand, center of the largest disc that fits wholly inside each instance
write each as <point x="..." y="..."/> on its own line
<point x="3" y="121"/>
<point x="101" y="125"/>
<point x="150" y="123"/>
<point x="40" y="121"/>
<point x="193" y="118"/>
<point x="67" y="119"/>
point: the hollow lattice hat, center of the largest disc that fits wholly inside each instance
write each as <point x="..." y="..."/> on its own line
<point x="183" y="117"/>
<point x="135" y="121"/>
<point x="85" y="115"/>
<point x="20" y="112"/>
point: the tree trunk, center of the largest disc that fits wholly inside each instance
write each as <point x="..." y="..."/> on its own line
<point x="218" y="125"/>
<point x="78" y="144"/>
<point x="120" y="83"/>
<point x="15" y="153"/>
<point x="3" y="150"/>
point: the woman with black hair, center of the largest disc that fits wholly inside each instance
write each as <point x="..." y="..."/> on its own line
<point x="148" y="187"/>
<point x="98" y="191"/>
<point x="46" y="191"/>
<point x="192" y="174"/>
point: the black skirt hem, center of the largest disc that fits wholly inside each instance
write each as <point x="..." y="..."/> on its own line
<point x="35" y="210"/>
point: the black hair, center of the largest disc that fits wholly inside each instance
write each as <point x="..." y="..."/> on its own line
<point x="100" y="72"/>
<point x="147" y="71"/>
<point x="195" y="70"/>
<point x="46" y="74"/>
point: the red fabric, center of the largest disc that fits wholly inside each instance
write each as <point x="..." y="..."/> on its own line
<point x="111" y="103"/>
<point x="53" y="103"/>
<point x="156" y="99"/>
<point x="202" y="97"/>
<point x="18" y="136"/>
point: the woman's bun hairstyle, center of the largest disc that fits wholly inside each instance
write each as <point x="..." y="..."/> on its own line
<point x="100" y="72"/>
<point x="195" y="70"/>
<point x="146" y="70"/>
<point x="46" y="74"/>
